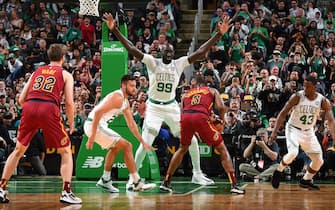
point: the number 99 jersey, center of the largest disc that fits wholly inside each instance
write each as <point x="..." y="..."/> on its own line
<point x="306" y="112"/>
<point x="164" y="78"/>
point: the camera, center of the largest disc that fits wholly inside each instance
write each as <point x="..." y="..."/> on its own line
<point x="88" y="106"/>
<point x="230" y="114"/>
<point x="258" y="138"/>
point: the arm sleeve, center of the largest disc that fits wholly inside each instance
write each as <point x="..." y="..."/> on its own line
<point x="149" y="61"/>
<point x="181" y="63"/>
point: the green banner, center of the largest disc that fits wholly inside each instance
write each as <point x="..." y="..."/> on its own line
<point x="205" y="150"/>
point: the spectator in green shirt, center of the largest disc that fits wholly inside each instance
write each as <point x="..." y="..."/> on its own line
<point x="73" y="33"/>
<point x="237" y="49"/>
<point x="259" y="32"/>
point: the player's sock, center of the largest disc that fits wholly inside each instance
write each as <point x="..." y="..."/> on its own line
<point x="135" y="177"/>
<point x="281" y="166"/>
<point x="149" y="138"/>
<point x="232" y="178"/>
<point x="195" y="155"/>
<point x="130" y="179"/>
<point x="3" y="184"/>
<point x="309" y="173"/>
<point x="67" y="186"/>
<point x="167" y="178"/>
<point x="106" y="175"/>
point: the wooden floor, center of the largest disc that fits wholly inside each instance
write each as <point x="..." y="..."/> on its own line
<point x="43" y="193"/>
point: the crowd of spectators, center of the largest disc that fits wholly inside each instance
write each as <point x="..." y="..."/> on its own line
<point x="27" y="28"/>
<point x="271" y="47"/>
<point x="256" y="67"/>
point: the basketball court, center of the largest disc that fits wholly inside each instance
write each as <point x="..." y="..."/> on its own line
<point x="43" y="193"/>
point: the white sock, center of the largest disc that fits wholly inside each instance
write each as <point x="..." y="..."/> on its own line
<point x="106" y="175"/>
<point x="308" y="176"/>
<point x="136" y="177"/>
<point x="195" y="155"/>
<point x="130" y="179"/>
<point x="281" y="167"/>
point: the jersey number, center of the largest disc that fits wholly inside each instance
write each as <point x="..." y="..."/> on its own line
<point x="162" y="87"/>
<point x="307" y="120"/>
<point x="45" y="84"/>
<point x="195" y="99"/>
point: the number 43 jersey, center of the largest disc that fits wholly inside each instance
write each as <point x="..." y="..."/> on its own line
<point x="47" y="83"/>
<point x="164" y="78"/>
<point x="306" y="112"/>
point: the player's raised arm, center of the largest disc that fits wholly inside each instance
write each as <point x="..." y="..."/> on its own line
<point x="222" y="28"/>
<point x="109" y="20"/>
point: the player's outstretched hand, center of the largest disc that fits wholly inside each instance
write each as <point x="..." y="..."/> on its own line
<point x="89" y="143"/>
<point x="224" y="25"/>
<point x="148" y="147"/>
<point x="109" y="20"/>
<point x="71" y="127"/>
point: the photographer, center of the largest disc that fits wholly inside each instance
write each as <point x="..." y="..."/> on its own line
<point x="262" y="158"/>
<point x="248" y="129"/>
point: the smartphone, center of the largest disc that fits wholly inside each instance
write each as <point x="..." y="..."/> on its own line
<point x="259" y="78"/>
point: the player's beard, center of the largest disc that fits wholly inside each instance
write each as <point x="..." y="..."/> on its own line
<point x="130" y="92"/>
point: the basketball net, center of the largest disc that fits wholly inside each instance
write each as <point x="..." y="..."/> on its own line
<point x="89" y="7"/>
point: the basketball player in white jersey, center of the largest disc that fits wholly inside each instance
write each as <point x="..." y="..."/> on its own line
<point x="96" y="128"/>
<point x="305" y="106"/>
<point x="164" y="75"/>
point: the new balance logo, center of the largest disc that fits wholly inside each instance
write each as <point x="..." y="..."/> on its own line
<point x="119" y="165"/>
<point x="93" y="162"/>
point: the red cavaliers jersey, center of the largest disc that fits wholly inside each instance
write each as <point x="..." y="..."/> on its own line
<point x="47" y="83"/>
<point x="198" y="99"/>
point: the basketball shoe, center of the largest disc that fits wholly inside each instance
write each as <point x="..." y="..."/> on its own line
<point x="108" y="185"/>
<point x="166" y="186"/>
<point x="308" y="184"/>
<point x="237" y="189"/>
<point x="275" y="181"/>
<point x="3" y="196"/>
<point x="69" y="197"/>
<point x="142" y="186"/>
<point x="200" y="178"/>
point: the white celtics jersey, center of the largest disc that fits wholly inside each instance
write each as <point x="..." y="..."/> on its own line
<point x="164" y="78"/>
<point x="110" y="115"/>
<point x="306" y="112"/>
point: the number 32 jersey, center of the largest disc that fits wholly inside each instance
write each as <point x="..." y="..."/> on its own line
<point x="47" y="83"/>
<point x="306" y="112"/>
<point x="164" y="78"/>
